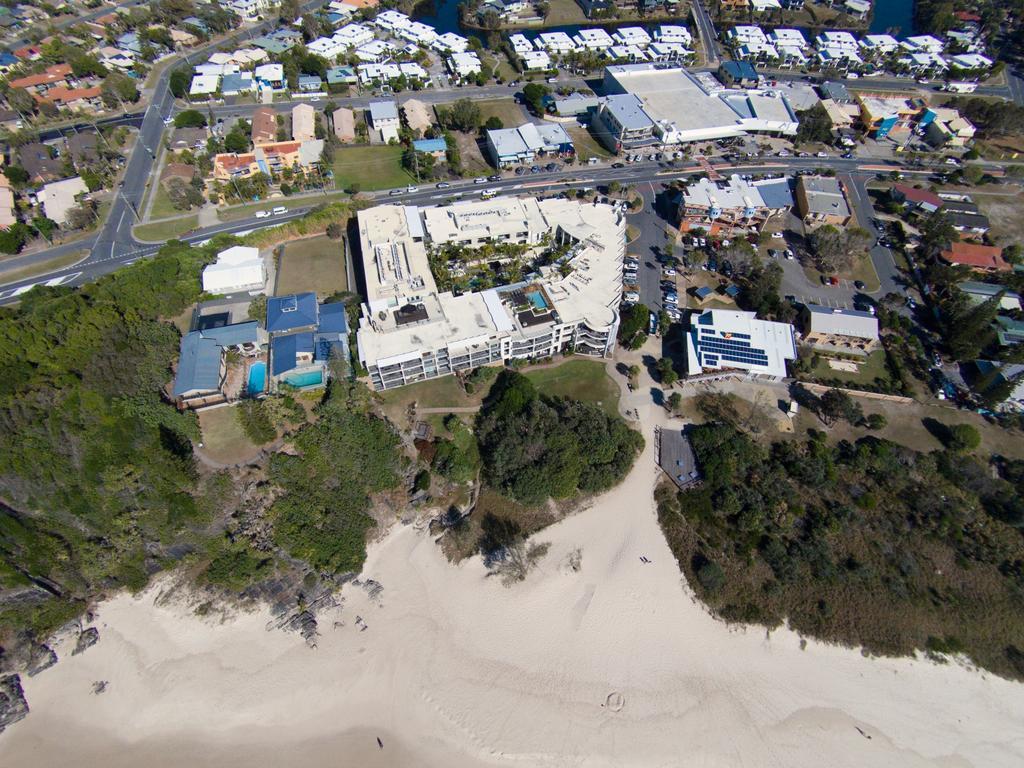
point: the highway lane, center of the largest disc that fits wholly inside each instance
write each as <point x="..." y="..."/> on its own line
<point x="707" y="33"/>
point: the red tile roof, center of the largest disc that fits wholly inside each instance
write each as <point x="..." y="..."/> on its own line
<point x="919" y="196"/>
<point x="56" y="74"/>
<point x="230" y="162"/>
<point x="986" y="257"/>
<point x="65" y="95"/>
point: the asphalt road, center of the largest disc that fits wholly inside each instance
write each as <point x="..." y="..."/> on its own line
<point x="707" y="33"/>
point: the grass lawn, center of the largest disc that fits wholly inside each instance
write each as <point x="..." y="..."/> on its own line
<point x="1006" y="215"/>
<point x="223" y="438"/>
<point x="443" y="392"/>
<point x="872" y="368"/>
<point x="506" y="110"/>
<point x="578" y="379"/>
<point x="166" y="230"/>
<point x="371" y="167"/>
<point x="162" y="207"/>
<point x="314" y="264"/>
<point x="564" y="12"/>
<point x="586" y="145"/>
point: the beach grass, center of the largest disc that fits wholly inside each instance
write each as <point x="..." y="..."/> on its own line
<point x="224" y="440"/>
<point x="370" y="167"/>
<point x="313" y="264"/>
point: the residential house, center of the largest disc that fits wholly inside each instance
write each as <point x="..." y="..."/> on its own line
<point x="59" y="197"/>
<point x="204" y="85"/>
<point x="82" y="148"/>
<point x="1009" y="332"/>
<point x="264" y="125"/>
<point x="7" y="209"/>
<point x="305" y="338"/>
<point x="915" y="198"/>
<point x="980" y="258"/>
<point x="201" y="376"/>
<point x="979" y="293"/>
<point x="191" y="139"/>
<point x="535" y="60"/>
<point x="10" y="120"/>
<point x="52" y="76"/>
<point x="966" y="217"/>
<point x="237" y="269"/>
<point x="235" y="84"/>
<point x="115" y="58"/>
<point x="419" y="116"/>
<point x="436" y="148"/>
<point x="841" y="331"/>
<point x="384" y="120"/>
<point x="344" y="125"/>
<point x="948" y="128"/>
<point x="341" y="75"/>
<point x="821" y="200"/>
<point x="450" y="42"/>
<point x="310" y="83"/>
<point x="269" y="76"/>
<point x="269" y="159"/>
<point x="511" y="146"/>
<point x="884" y="115"/>
<point x="40" y="163"/>
<point x="463" y="65"/>
<point x="722" y="340"/>
<point x="303" y="122"/>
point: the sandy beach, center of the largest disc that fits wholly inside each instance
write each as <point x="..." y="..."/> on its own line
<point x="616" y="664"/>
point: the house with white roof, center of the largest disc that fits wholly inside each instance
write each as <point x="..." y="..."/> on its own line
<point x="374" y="51"/>
<point x="239" y="268"/>
<point x="671" y="33"/>
<point x="269" y="75"/>
<point x="875" y="46"/>
<point x="450" y="42"/>
<point x="217" y="69"/>
<point x="535" y="60"/>
<point x="463" y="64"/>
<point x="392" y="21"/>
<point x="923" y="44"/>
<point x="838" y="40"/>
<point x="793" y="38"/>
<point x="632" y="36"/>
<point x="204" y="85"/>
<point x="554" y="42"/>
<point x="384" y="119"/>
<point x="520" y="43"/>
<point x="418" y="33"/>
<point x="329" y="48"/>
<point x="970" y="61"/>
<point x="765" y="6"/>
<point x="745" y="34"/>
<point x="659" y="51"/>
<point x="630" y="53"/>
<point x="511" y="146"/>
<point x="593" y="39"/>
<point x="859" y="9"/>
<point x="790" y="55"/>
<point x="353" y="35"/>
<point x="757" y="52"/>
<point x="923" y="61"/>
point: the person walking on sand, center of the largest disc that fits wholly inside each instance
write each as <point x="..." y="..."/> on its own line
<point x="380" y="743"/>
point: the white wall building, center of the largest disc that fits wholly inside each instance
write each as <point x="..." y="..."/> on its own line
<point x="520" y="43"/>
<point x="721" y="340"/>
<point x="409" y="331"/>
<point x="450" y="42"/>
<point x="554" y="42"/>
<point x="593" y="39"/>
<point x="463" y="64"/>
<point x="353" y="35"/>
<point x="669" y="33"/>
<point x="632" y="36"/>
<point x="239" y="268"/>
<point x="534" y="60"/>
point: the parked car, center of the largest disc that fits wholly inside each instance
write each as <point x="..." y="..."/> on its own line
<point x="551" y="167"/>
<point x="618" y="165"/>
<point x="262" y="214"/>
<point x="480" y="180"/>
<point x="279" y="209"/>
<point x="442" y="185"/>
<point x="631" y="296"/>
<point x="859" y="285"/>
<point x="520" y="170"/>
<point x="670" y="271"/>
<point x="778" y="235"/>
<point x="494" y="177"/>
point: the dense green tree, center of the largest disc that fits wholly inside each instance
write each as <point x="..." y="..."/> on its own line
<point x="179" y="82"/>
<point x="190" y="118"/>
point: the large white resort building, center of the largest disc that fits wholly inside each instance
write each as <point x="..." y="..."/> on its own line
<point x="410" y="331"/>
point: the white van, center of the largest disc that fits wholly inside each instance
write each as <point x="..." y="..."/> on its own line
<point x="487" y="194"/>
<point x="262" y="214"/>
<point x="279" y="209"/>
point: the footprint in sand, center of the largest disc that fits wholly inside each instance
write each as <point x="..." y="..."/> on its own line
<point x="615" y="701"/>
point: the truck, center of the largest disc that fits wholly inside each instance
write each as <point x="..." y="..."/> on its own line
<point x="960" y="87"/>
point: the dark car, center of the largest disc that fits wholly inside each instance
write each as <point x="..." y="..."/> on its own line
<point x="443" y="185"/>
<point x="535" y="169"/>
<point x="618" y="165"/>
<point x="520" y="171"/>
<point x="859" y="285"/>
<point x="494" y="177"/>
<point x="551" y="167"/>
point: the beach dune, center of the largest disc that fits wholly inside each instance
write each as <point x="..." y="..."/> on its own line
<point x="613" y="664"/>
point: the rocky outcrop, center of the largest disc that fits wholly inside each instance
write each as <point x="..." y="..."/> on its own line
<point x="13" y="706"/>
<point x="87" y="638"/>
<point x="41" y="657"/>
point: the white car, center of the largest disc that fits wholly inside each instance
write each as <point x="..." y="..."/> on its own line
<point x="778" y="235"/>
<point x="480" y="180"/>
<point x="631" y="296"/>
<point x="262" y="214"/>
<point x="822" y="154"/>
<point x="789" y="254"/>
<point x="279" y="209"/>
<point x="168" y="121"/>
<point x="669" y="271"/>
<point x="410" y="189"/>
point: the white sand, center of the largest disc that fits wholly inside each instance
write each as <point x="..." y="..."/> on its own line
<point x="457" y="670"/>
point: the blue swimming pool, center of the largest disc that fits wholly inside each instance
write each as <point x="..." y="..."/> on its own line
<point x="257" y="379"/>
<point x="305" y="379"/>
<point x="537" y="299"/>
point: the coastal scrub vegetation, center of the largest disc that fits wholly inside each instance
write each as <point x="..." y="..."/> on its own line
<point x="866" y="543"/>
<point x="535" y="448"/>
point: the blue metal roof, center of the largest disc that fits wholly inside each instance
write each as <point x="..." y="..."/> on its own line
<point x="231" y="335"/>
<point x="333" y="319"/>
<point x="776" y="194"/>
<point x="285" y="313"/>
<point x="285" y="349"/>
<point x="740" y="70"/>
<point x="198" y="365"/>
<point x="430" y="145"/>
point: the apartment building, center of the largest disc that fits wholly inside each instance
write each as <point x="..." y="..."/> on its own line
<point x="410" y="331"/>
